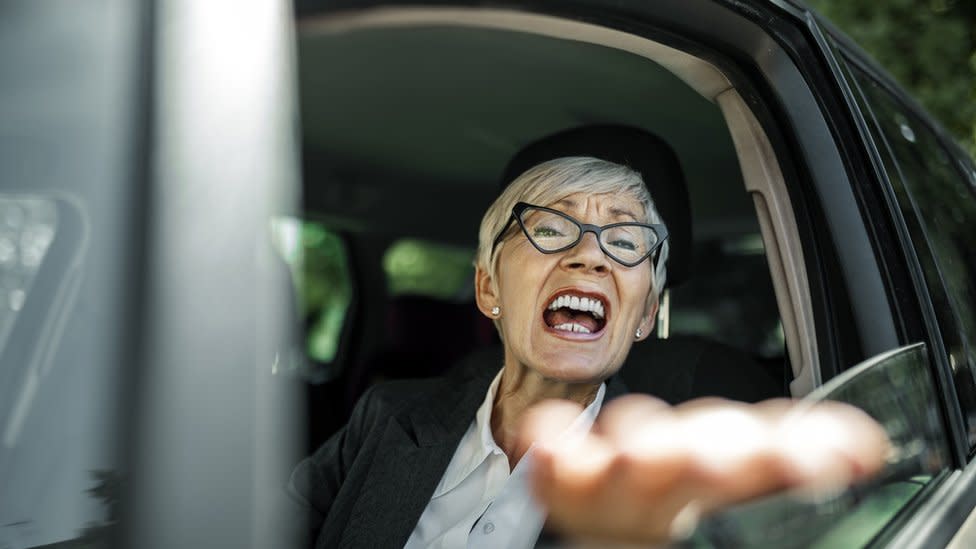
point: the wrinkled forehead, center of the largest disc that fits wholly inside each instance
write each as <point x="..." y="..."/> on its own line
<point x="608" y="207"/>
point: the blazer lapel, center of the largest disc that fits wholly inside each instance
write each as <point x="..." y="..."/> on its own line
<point x="412" y="455"/>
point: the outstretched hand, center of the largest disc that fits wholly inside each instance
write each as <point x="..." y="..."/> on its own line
<point x="648" y="471"/>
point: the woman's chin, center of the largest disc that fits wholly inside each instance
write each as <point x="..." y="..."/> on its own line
<point x="573" y="366"/>
<point x="569" y="357"/>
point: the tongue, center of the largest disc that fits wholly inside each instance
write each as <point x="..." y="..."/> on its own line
<point x="562" y="316"/>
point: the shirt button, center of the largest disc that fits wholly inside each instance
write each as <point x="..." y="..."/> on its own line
<point x="488" y="528"/>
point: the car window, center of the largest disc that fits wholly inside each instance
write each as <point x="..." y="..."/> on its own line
<point x="731" y="299"/>
<point x="896" y="389"/>
<point x="939" y="204"/>
<point x="27" y="228"/>
<point x="41" y="242"/>
<point x="419" y="267"/>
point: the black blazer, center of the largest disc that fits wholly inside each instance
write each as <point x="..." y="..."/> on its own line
<point x="369" y="483"/>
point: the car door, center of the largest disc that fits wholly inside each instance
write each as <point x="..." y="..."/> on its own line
<point x="931" y="186"/>
<point x="71" y="149"/>
<point x="915" y="192"/>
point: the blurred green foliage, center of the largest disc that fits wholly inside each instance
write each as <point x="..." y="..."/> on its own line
<point x="927" y="45"/>
<point x="324" y="288"/>
<point x="423" y="268"/>
<point x="320" y="272"/>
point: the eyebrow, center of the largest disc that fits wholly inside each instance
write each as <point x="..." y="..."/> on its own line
<point x="620" y="212"/>
<point x="614" y="211"/>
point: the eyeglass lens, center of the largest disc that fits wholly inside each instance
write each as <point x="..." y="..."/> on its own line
<point x="551" y="232"/>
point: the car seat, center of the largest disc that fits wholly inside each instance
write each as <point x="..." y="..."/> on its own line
<point x="674" y="369"/>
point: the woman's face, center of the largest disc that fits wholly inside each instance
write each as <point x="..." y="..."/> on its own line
<point x="549" y="317"/>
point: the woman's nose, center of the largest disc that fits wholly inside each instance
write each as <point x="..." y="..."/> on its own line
<point x="587" y="255"/>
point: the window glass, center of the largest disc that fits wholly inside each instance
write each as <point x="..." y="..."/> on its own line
<point x="939" y="204"/>
<point x="730" y="299"/>
<point x="43" y="241"/>
<point x="897" y="390"/>
<point x="27" y="227"/>
<point x="320" y="271"/>
<point x="416" y="267"/>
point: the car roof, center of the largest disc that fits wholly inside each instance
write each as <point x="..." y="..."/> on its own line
<point x="491" y="93"/>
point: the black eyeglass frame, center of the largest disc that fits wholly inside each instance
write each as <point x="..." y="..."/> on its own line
<point x="660" y="230"/>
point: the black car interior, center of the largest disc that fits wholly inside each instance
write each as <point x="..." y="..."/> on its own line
<point x="409" y="132"/>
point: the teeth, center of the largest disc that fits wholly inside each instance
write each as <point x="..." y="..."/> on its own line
<point x="587" y="304"/>
<point x="572" y="327"/>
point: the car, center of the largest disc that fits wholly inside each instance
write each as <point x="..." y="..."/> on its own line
<point x="221" y="222"/>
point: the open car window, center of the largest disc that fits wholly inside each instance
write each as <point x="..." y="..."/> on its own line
<point x="462" y="91"/>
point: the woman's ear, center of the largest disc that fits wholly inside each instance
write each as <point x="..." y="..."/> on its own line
<point x="650" y="317"/>
<point x="485" y="294"/>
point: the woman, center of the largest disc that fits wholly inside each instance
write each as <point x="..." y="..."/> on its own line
<point x="570" y="264"/>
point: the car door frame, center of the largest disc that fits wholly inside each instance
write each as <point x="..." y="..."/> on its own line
<point x="944" y="509"/>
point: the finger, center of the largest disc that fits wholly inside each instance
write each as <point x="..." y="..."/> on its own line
<point x="622" y="417"/>
<point x="652" y="457"/>
<point x="730" y="449"/>
<point x="751" y="450"/>
<point x="865" y="442"/>
<point x="830" y="446"/>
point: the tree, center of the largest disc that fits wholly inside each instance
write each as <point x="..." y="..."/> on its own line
<point x="926" y="45"/>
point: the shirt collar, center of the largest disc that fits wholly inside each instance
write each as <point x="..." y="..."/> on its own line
<point x="581" y="425"/>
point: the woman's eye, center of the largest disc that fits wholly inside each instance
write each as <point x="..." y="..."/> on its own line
<point x="545" y="232"/>
<point x="624" y="244"/>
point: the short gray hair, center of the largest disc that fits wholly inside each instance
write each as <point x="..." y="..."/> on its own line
<point x="554" y="180"/>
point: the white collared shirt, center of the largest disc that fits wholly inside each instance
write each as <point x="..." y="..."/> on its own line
<point x="479" y="502"/>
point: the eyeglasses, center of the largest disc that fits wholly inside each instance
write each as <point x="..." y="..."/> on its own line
<point x="552" y="231"/>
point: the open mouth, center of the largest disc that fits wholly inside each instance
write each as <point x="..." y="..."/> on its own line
<point x="576" y="312"/>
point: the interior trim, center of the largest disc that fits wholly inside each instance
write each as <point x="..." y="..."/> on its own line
<point x="764" y="180"/>
<point x="701" y="75"/>
<point x="762" y="174"/>
<point x="966" y="535"/>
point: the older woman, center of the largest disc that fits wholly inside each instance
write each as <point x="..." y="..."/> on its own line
<point x="570" y="264"/>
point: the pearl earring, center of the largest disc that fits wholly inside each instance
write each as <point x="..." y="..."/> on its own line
<point x="495" y="311"/>
<point x="638" y="334"/>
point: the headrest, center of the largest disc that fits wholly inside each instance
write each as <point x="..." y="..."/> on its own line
<point x="643" y="152"/>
